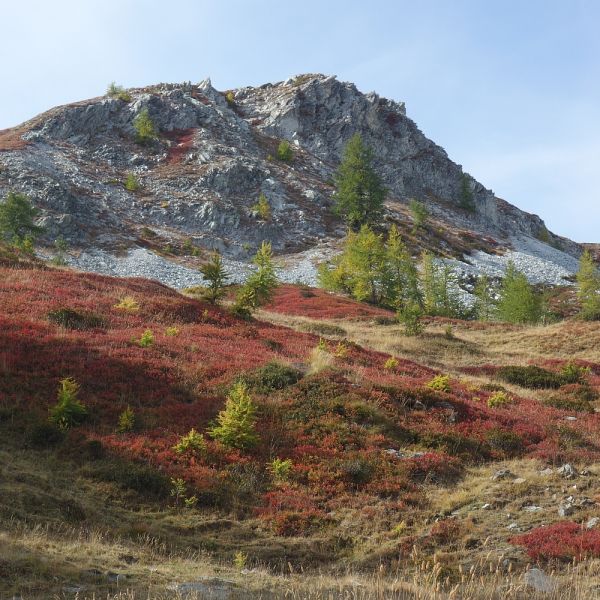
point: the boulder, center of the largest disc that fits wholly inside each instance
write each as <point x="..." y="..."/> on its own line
<point x="502" y="474"/>
<point x="592" y="522"/>
<point x="567" y="471"/>
<point x="565" y="510"/>
<point x="539" y="581"/>
<point x="206" y="587"/>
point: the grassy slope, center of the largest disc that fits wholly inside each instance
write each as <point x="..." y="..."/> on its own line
<point x="347" y="503"/>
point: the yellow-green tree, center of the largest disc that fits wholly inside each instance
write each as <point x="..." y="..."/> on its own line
<point x="17" y="216"/>
<point x="236" y="423"/>
<point x="360" y="269"/>
<point x="214" y="273"/>
<point x="439" y="285"/>
<point x="485" y="303"/>
<point x="518" y="302"/>
<point x="68" y="411"/>
<point x="260" y="285"/>
<point x="402" y="275"/>
<point x="371" y="269"/>
<point x="284" y="151"/>
<point x="263" y="208"/>
<point x="145" y="129"/>
<point x="588" y="287"/>
<point x="419" y="214"/>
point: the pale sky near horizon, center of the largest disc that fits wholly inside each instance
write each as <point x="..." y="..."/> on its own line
<point x="511" y="89"/>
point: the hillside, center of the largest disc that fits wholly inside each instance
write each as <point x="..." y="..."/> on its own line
<point x="395" y="469"/>
<point x="195" y="186"/>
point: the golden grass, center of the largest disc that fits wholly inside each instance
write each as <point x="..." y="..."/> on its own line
<point x="42" y="553"/>
<point x="473" y="344"/>
<point x="485" y="579"/>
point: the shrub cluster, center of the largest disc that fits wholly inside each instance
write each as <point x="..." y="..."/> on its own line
<point x="70" y="318"/>
<point x="508" y="443"/>
<point x="142" y="479"/>
<point x="284" y="151"/>
<point x="128" y="304"/>
<point x="499" y="399"/>
<point x="567" y="403"/>
<point x="440" y="383"/>
<point x="272" y="376"/>
<point x="535" y="377"/>
<point x="44" y="435"/>
<point x="390" y="364"/>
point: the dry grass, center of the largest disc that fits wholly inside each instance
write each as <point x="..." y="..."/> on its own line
<point x="11" y="139"/>
<point x="473" y="344"/>
<point x="485" y="579"/>
<point x="485" y="507"/>
<point x="319" y="360"/>
<point x="44" y="552"/>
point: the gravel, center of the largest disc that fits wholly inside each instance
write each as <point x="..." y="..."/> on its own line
<point x="140" y="262"/>
<point x="538" y="261"/>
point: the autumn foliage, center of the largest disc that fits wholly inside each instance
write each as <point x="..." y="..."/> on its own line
<point x="561" y="541"/>
<point x="335" y="427"/>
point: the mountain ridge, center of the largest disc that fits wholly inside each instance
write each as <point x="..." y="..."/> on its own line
<point x="215" y="154"/>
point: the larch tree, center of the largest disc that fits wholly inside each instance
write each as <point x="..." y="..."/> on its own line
<point x="588" y="287"/>
<point x="518" y="302"/>
<point x="216" y="277"/>
<point x="359" y="192"/>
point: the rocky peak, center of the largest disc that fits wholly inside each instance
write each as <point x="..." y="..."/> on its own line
<point x="215" y="155"/>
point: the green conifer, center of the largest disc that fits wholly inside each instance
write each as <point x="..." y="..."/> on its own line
<point x="359" y="193"/>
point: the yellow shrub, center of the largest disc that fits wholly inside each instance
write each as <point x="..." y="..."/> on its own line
<point x="391" y="363"/>
<point x="440" y="383"/>
<point x="128" y="304"/>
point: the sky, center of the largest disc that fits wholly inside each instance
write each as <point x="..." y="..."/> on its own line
<point x="510" y="88"/>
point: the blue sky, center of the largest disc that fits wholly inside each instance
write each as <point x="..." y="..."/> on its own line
<point x="511" y="89"/>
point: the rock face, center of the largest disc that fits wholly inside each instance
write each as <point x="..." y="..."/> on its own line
<point x="216" y="153"/>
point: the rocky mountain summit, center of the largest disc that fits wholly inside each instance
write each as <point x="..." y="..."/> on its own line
<point x="196" y="185"/>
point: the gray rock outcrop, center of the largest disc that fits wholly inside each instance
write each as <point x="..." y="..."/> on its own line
<point x="216" y="153"/>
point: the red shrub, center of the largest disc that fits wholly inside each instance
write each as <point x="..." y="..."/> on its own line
<point x="183" y="141"/>
<point x="444" y="531"/>
<point x="562" y="541"/>
<point x="434" y="467"/>
<point x="290" y="523"/>
<point x="335" y="426"/>
<point x="319" y="304"/>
